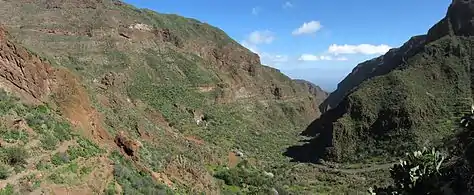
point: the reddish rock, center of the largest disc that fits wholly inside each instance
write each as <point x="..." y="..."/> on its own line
<point x="129" y="146"/>
<point x="27" y="72"/>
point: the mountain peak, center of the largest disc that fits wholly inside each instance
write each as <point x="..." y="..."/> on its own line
<point x="459" y="21"/>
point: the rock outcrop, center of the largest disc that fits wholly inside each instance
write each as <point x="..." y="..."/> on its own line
<point x="22" y="71"/>
<point x="129" y="146"/>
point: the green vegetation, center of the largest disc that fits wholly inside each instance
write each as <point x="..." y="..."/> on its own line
<point x="12" y="136"/>
<point x="51" y="128"/>
<point x="433" y="172"/>
<point x="86" y="149"/>
<point x="134" y="181"/>
<point x="59" y="159"/>
<point x="8" y="190"/>
<point x="413" y="106"/>
<point x="4" y="172"/>
<point x="245" y="179"/>
<point x="15" y="156"/>
<point x="156" y="83"/>
<point x="418" y="174"/>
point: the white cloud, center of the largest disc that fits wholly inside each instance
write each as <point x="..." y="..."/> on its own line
<point x="256" y="10"/>
<point x="311" y="57"/>
<point x="287" y="5"/>
<point x="256" y="38"/>
<point x="308" y="28"/>
<point x="259" y="37"/>
<point x="342" y="59"/>
<point x="251" y="47"/>
<point x="273" y="58"/>
<point x="366" y="49"/>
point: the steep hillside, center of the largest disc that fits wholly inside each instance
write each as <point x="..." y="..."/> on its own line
<point x="372" y="68"/>
<point x="161" y="102"/>
<point x="313" y="89"/>
<point x="407" y="101"/>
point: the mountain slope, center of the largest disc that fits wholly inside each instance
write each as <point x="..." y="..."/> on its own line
<point x="407" y="102"/>
<point x="167" y="99"/>
<point x="372" y="68"/>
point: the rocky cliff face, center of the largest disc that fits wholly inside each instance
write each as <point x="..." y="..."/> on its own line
<point x="319" y="93"/>
<point x="23" y="72"/>
<point x="403" y="100"/>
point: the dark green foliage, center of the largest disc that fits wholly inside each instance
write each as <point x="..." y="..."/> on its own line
<point x="4" y="172"/>
<point x="418" y="174"/>
<point x="15" y="156"/>
<point x="425" y="172"/>
<point x="110" y="190"/>
<point x="85" y="170"/>
<point x="51" y="128"/>
<point x="13" y="136"/>
<point x="49" y="142"/>
<point x="86" y="149"/>
<point x="8" y="190"/>
<point x="57" y="178"/>
<point x="134" y="181"/>
<point x="7" y="102"/>
<point x="42" y="165"/>
<point x="411" y="106"/>
<point x="245" y="176"/>
<point x="60" y="158"/>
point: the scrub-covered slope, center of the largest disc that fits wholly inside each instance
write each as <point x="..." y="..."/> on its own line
<point x="400" y="101"/>
<point x="167" y="100"/>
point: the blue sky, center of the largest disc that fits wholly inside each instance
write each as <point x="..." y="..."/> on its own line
<point x="317" y="40"/>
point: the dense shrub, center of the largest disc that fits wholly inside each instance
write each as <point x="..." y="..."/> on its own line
<point x="60" y="158"/>
<point x="15" y="156"/>
<point x="134" y="181"/>
<point x="4" y="172"/>
<point x="244" y="175"/>
<point x="418" y="174"/>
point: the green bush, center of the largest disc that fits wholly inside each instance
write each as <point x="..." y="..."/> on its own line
<point x="49" y="142"/>
<point x="85" y="149"/>
<point x="418" y="174"/>
<point x="4" y="172"/>
<point x="245" y="175"/>
<point x="15" y="156"/>
<point x="60" y="158"/>
<point x="134" y="181"/>
<point x="8" y="190"/>
<point x="56" y="178"/>
<point x="42" y="165"/>
<point x="12" y="136"/>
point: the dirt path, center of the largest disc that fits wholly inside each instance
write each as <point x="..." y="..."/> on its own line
<point x="356" y="170"/>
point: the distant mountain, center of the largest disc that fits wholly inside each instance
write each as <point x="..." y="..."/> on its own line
<point x="313" y="89"/>
<point x="408" y="98"/>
